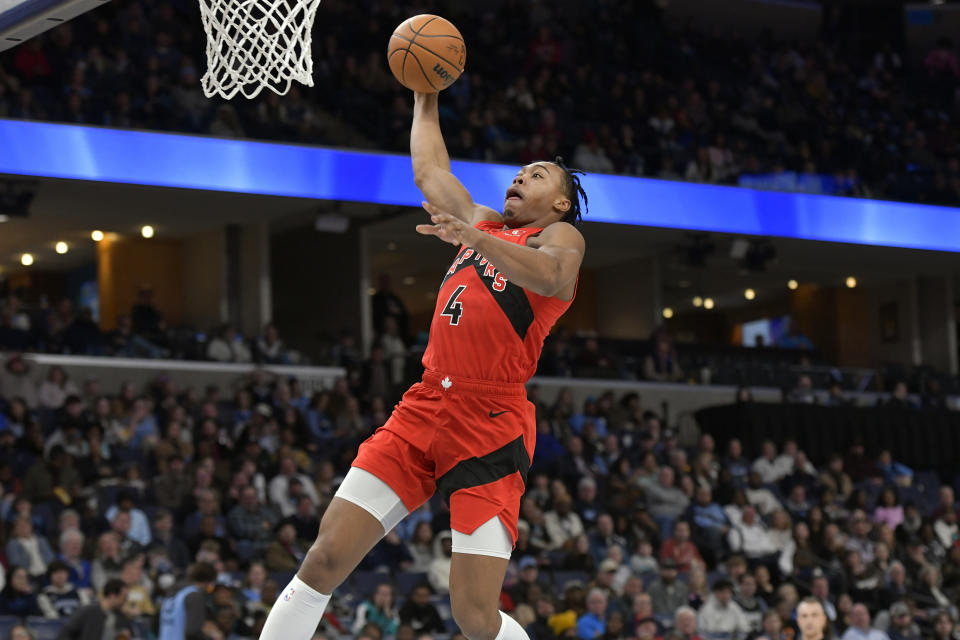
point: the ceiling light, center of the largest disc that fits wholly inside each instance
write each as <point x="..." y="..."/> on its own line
<point x="62" y="247"/>
<point x="851" y="282"/>
<point x="708" y="303"/>
<point x="697" y="301"/>
<point x="26" y="259"/>
<point x="97" y="235"/>
<point x="4" y="218"/>
<point x="749" y="294"/>
<point x="409" y="280"/>
<point x="146" y="231"/>
<point x="667" y="313"/>
<point x="792" y="285"/>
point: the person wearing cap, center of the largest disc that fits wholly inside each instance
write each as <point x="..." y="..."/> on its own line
<point x="859" y="626"/>
<point x="593" y="623"/>
<point x="527" y="576"/>
<point x="667" y="594"/>
<point x="901" y="625"/>
<point x="720" y="614"/>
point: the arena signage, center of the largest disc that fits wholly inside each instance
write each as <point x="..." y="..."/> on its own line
<point x="216" y="164"/>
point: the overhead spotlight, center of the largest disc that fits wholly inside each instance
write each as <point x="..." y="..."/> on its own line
<point x="792" y="285"/>
<point x="697" y="301"/>
<point x="667" y="313"/>
<point x="4" y="218"/>
<point x="61" y="247"/>
<point x="391" y="246"/>
<point x="749" y="294"/>
<point x="708" y="303"/>
<point x="26" y="259"/>
<point x="851" y="282"/>
<point x="96" y="235"/>
<point x="409" y="280"/>
<point x="146" y="231"/>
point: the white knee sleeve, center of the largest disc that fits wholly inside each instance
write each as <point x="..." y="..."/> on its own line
<point x="375" y="496"/>
<point x="490" y="539"/>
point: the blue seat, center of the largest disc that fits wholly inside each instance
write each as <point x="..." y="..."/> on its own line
<point x="6" y="624"/>
<point x="561" y="578"/>
<point x="406" y="581"/>
<point x="365" y="582"/>
<point x="44" y="629"/>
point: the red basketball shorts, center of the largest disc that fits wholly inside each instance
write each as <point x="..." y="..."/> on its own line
<point x="470" y="440"/>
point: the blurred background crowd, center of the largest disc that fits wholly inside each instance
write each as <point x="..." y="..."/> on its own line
<point x="629" y="529"/>
<point x="606" y="84"/>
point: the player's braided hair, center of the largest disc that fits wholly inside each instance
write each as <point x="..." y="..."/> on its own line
<point x="574" y="191"/>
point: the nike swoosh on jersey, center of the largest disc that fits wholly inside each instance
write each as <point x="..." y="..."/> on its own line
<point x="498" y="413"/>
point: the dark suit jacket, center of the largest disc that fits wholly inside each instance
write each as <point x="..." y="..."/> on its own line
<point x="87" y="624"/>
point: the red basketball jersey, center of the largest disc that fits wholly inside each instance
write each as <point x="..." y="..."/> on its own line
<point x="486" y="327"/>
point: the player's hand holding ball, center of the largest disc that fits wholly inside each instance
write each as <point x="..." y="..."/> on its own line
<point x="426" y="53"/>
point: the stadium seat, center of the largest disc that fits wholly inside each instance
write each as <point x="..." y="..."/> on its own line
<point x="6" y="624"/>
<point x="406" y="581"/>
<point x="44" y="629"/>
<point x="364" y="582"/>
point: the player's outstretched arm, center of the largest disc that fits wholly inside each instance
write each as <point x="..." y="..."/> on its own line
<point x="546" y="269"/>
<point x="431" y="165"/>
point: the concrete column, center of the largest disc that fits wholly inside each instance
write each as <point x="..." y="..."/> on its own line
<point x="937" y="322"/>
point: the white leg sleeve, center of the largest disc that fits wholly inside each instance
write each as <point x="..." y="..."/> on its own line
<point x="296" y="613"/>
<point x="510" y="629"/>
<point x="373" y="495"/>
<point x="490" y="539"/>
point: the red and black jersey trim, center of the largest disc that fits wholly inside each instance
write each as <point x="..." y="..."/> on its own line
<point x="512" y="299"/>
<point x="473" y="472"/>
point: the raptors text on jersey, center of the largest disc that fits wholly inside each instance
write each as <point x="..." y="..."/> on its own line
<point x="484" y="326"/>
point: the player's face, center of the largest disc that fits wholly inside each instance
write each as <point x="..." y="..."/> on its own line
<point x="536" y="191"/>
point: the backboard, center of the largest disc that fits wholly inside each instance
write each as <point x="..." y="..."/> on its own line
<point x="21" y="20"/>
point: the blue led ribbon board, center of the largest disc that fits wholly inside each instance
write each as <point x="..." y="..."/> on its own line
<point x="242" y="166"/>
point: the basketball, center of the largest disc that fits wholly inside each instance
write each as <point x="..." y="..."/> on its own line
<point x="426" y="53"/>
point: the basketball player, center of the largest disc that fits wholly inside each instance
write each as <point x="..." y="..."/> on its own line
<point x="467" y="429"/>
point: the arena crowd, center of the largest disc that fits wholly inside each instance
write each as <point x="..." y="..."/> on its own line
<point x="607" y="84"/>
<point x="112" y="499"/>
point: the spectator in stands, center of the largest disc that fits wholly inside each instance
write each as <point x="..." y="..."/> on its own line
<point x="562" y="523"/>
<point x="102" y="619"/>
<point x="803" y="392"/>
<point x="893" y="472"/>
<point x="60" y="598"/>
<point x="125" y="342"/>
<point x="666" y="502"/>
<point x="680" y="549"/>
<point x="812" y="620"/>
<point x="767" y="465"/>
<point x="185" y="611"/>
<point x="139" y="588"/>
<point x="147" y="320"/>
<point x="592" y="624"/>
<point x="71" y="550"/>
<point x="902" y="626"/>
<point x="752" y="539"/>
<point x="668" y="594"/>
<point x="18" y="597"/>
<point x="228" y="346"/>
<point x="164" y="538"/>
<point x="420" y="613"/>
<point x="55" y="389"/>
<point x="270" y="348"/>
<point x="685" y="623"/>
<point x="439" y="572"/>
<point x="107" y="562"/>
<point x="603" y="537"/>
<point x="139" y="529"/>
<point x="759" y="496"/>
<point x="380" y="610"/>
<point x="27" y="549"/>
<point x="710" y="520"/>
<point x="286" y="552"/>
<point x="720" y="614"/>
<point x="930" y="595"/>
<point x="386" y="304"/>
<point x="753" y="606"/>
<point x="16" y="380"/>
<point x="860" y="626"/>
<point x="661" y="363"/>
<point x="251" y="524"/>
<point x="279" y="488"/>
<point x="943" y="627"/>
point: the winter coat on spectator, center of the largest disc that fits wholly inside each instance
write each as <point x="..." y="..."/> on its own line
<point x="61" y="603"/>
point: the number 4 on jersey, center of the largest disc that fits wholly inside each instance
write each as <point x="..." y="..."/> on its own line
<point x="454" y="308"/>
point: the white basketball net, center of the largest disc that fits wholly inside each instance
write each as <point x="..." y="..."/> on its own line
<point x="252" y="44"/>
